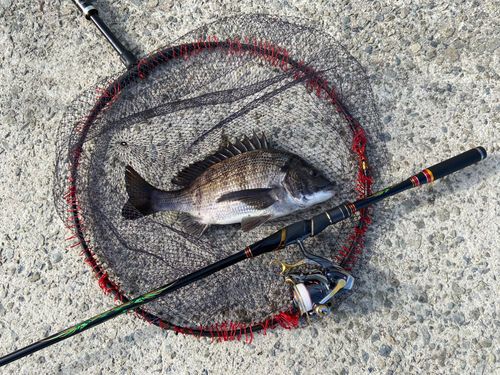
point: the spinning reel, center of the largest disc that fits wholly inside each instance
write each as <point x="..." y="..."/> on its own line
<point x="313" y="291"/>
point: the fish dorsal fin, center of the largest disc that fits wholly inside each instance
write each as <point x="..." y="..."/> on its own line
<point x="191" y="172"/>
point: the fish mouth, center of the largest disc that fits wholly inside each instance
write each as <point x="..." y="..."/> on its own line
<point x="321" y="195"/>
<point x="328" y="188"/>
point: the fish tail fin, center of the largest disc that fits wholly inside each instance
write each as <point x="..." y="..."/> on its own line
<point x="140" y="193"/>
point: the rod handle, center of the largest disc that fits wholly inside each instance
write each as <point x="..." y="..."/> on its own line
<point x="330" y="217"/>
<point x="456" y="163"/>
<point x="91" y="14"/>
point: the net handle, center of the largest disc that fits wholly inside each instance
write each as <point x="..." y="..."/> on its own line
<point x="92" y="14"/>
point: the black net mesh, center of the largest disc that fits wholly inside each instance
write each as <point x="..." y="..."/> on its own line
<point x="217" y="84"/>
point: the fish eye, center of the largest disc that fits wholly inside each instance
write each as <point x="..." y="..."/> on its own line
<point x="314" y="173"/>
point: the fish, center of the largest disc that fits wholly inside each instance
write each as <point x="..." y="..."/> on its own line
<point x="247" y="182"/>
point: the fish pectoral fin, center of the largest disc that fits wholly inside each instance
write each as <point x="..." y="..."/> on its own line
<point x="191" y="225"/>
<point x="249" y="223"/>
<point x="259" y="199"/>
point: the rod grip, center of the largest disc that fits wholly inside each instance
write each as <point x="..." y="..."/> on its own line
<point x="456" y="163"/>
<point x="325" y="219"/>
<point x="297" y="231"/>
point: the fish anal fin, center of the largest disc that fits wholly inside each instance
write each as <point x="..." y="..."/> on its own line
<point x="259" y="199"/>
<point x="191" y="225"/>
<point x="192" y="171"/>
<point x="249" y="223"/>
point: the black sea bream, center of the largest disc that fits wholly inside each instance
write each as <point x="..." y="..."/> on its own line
<point x="247" y="183"/>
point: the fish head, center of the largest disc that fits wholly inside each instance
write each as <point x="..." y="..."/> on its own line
<point x="305" y="185"/>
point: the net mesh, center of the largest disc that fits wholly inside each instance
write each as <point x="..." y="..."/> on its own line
<point x="215" y="85"/>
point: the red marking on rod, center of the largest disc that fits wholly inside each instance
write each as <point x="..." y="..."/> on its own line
<point x="415" y="181"/>
<point x="428" y="175"/>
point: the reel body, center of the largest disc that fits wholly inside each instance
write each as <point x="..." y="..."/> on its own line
<point x="313" y="291"/>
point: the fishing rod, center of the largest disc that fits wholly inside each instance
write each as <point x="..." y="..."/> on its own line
<point x="334" y="279"/>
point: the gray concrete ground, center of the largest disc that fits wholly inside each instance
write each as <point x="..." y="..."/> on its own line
<point x="427" y="300"/>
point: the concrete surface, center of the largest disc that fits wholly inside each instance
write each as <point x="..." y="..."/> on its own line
<point x="427" y="297"/>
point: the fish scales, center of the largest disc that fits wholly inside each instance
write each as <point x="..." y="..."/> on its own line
<point x="251" y="170"/>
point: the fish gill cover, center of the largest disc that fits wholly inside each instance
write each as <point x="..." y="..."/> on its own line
<point x="215" y="85"/>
